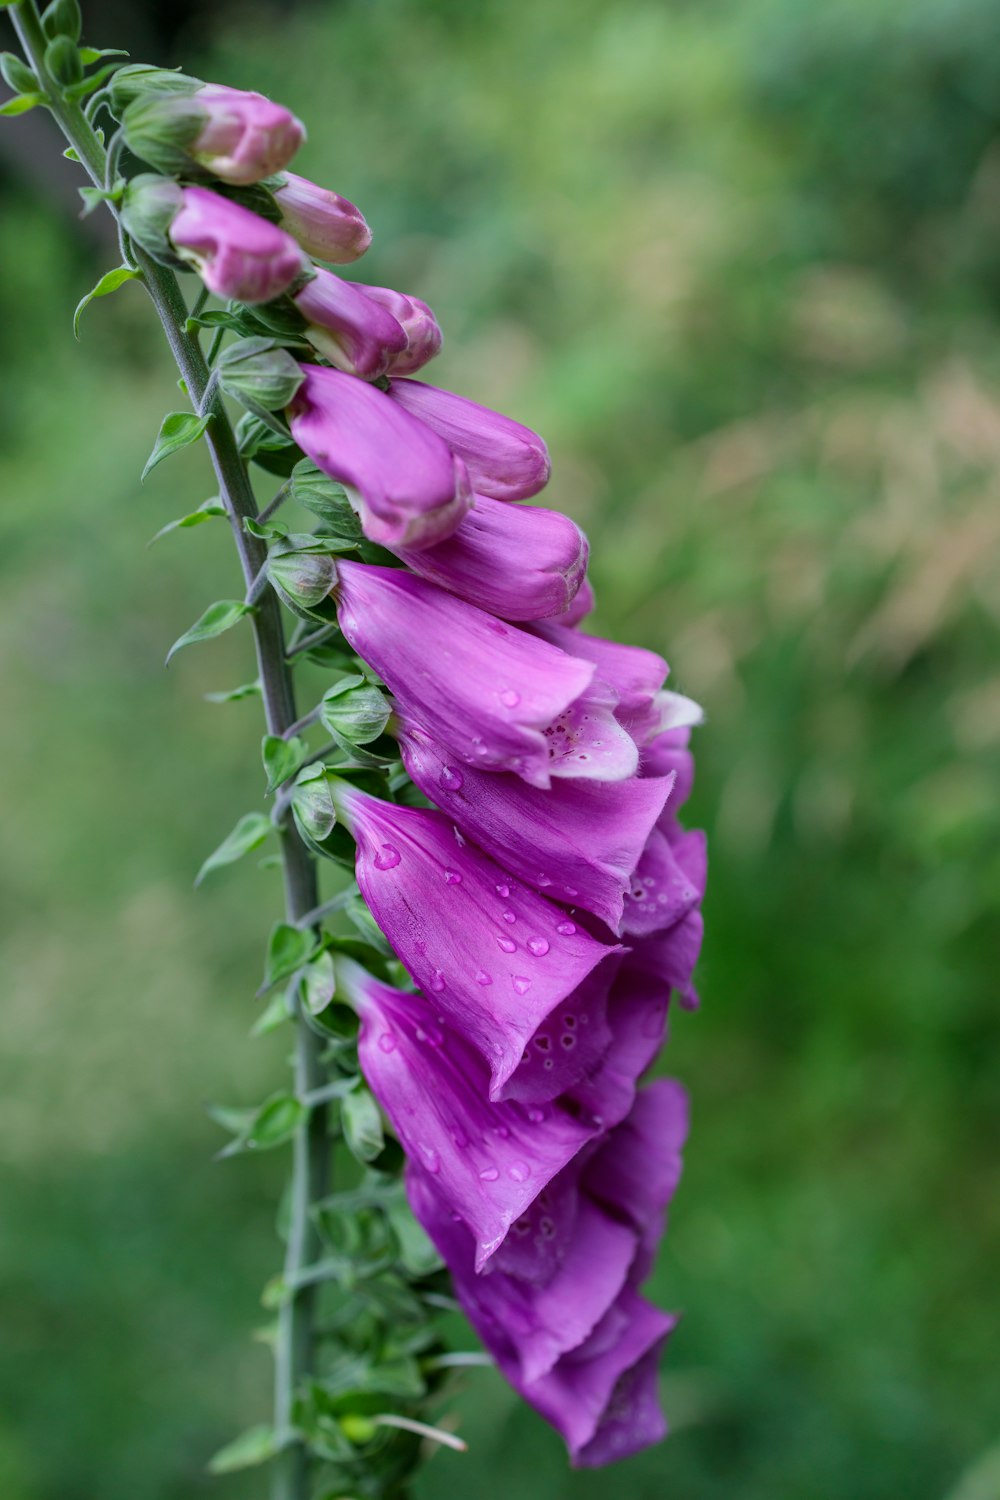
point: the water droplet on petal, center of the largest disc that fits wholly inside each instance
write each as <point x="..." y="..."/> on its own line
<point x="461" y="1140"/>
<point x="503" y="890"/>
<point x="568" y="1040"/>
<point x="571" y="890"/>
<point x="521" y="984"/>
<point x="543" y="880"/>
<point x="509" y="916"/>
<point x="539" y="946"/>
<point x="437" y="981"/>
<point x="483" y="978"/>
<point x="387" y="857"/>
<point x="566" y="928"/>
<point x="451" y="778"/>
<point x="452" y="877"/>
<point x="489" y="1174"/>
<point x="508" y="945"/>
<point x="387" y="1042"/>
<point x="503" y="1131"/>
<point x="519" y="1171"/>
<point x="430" y="1158"/>
<point x="509" y="698"/>
<point x="536" y="1115"/>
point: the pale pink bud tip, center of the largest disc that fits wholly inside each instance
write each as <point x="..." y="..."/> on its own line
<point x="236" y="253"/>
<point x="325" y="224"/>
<point x="245" y="137"/>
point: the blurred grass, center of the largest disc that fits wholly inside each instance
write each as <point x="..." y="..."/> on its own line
<point x="738" y="263"/>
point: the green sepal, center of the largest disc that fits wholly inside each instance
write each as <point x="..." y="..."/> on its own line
<point x="160" y="127"/>
<point x="249" y="833"/>
<point x="217" y="619"/>
<point x="355" y="711"/>
<point x="109" y="282"/>
<point x="213" y="506"/>
<point x="90" y="55"/>
<point x="148" y="209"/>
<point x="318" y="983"/>
<point x="21" y="103"/>
<point x="91" y="82"/>
<point x="257" y="440"/>
<point x="62" y="19"/>
<point x="62" y="61"/>
<point x="274" y="1014"/>
<point x="282" y="758"/>
<point x="93" y="197"/>
<point x="358" y="914"/>
<point x="327" y="499"/>
<point x="288" y="949"/>
<point x="16" y="74"/>
<point x="261" y="369"/>
<point x="362" y="1125"/>
<point x="303" y="577"/>
<point x="140" y="78"/>
<point x="179" y="429"/>
<point x="258" y="1445"/>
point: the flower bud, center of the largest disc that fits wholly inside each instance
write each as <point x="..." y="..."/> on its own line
<point x="236" y="253"/>
<point x="302" y="577"/>
<point x="128" y="83"/>
<point x="505" y="460"/>
<point x="238" y="136"/>
<point x="148" y="209"/>
<point x="325" y="224"/>
<point x="355" y="710"/>
<point x="62" y="18"/>
<point x="261" y="370"/>
<point x="423" y="335"/>
<point x="62" y="61"/>
<point x="16" y="74"/>
<point x="352" y="330"/>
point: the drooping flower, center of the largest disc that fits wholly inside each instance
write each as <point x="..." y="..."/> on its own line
<point x="494" y="695"/>
<point x="237" y="136"/>
<point x="326" y="225"/>
<point x="581" y="607"/>
<point x="637" y="675"/>
<point x="488" y="1161"/>
<point x="505" y="459"/>
<point x="236" y="253"/>
<point x="578" y="842"/>
<point x="352" y="330"/>
<point x="405" y="483"/>
<point x="495" y="958"/>
<point x="518" y="562"/>
<point x="423" y="334"/>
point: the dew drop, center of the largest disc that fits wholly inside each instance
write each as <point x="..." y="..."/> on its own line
<point x="521" y="984"/>
<point x="509" y="698"/>
<point x="430" y="1157"/>
<point x="547" y="1064"/>
<point x="503" y="1131"/>
<point x="437" y="981"/>
<point x="387" y="857"/>
<point x="387" y="1042"/>
<point x="461" y="1141"/>
<point x="519" y="1171"/>
<point x="489" y="1174"/>
<point x="503" y="890"/>
<point x="569" y="1022"/>
<point x="571" y="890"/>
<point x="509" y="916"/>
<point x="536" y="1115"/>
<point x="568" y="1040"/>
<point x="452" y="877"/>
<point x="542" y="1042"/>
<point x="542" y="879"/>
<point x="483" y="978"/>
<point x="451" y="778"/>
<point x="566" y="928"/>
<point x="539" y="946"/>
<point x="508" y="945"/>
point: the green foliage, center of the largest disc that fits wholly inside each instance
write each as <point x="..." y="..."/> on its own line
<point x="110" y="282"/>
<point x="217" y="619"/>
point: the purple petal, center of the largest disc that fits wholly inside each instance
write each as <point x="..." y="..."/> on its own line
<point x="672" y="956"/>
<point x="569" y="1045"/>
<point x="494" y="957"/>
<point x="405" y="483"/>
<point x="577" y="843"/>
<point x="423" y="336"/>
<point x="237" y="253"/>
<point x="517" y="562"/>
<point x="668" y="752"/>
<point x="245" y="137"/>
<point x="349" y="328"/>
<point x="635" y="674"/>
<point x="325" y="224"/>
<point x="632" y="1419"/>
<point x="581" y="607"/>
<point x="662" y="891"/>
<point x="488" y="1161"/>
<point x="489" y="692"/>
<point x="504" y="459"/>
<point x="635" y="1173"/>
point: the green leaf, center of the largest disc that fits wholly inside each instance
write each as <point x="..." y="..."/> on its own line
<point x="217" y="619"/>
<point x="88" y="85"/>
<point x="234" y="695"/>
<point x="274" y="1014"/>
<point x="90" y="55"/>
<point x="16" y="74"/>
<point x="362" y="1125"/>
<point x="93" y="197"/>
<point x="179" y="429"/>
<point x="236" y="1121"/>
<point x="205" y="512"/>
<point x="282" y="758"/>
<point x="21" y="104"/>
<point x="318" y="984"/>
<point x="249" y="833"/>
<point x="287" y="950"/>
<point x="275" y="1122"/>
<point x="255" y="1446"/>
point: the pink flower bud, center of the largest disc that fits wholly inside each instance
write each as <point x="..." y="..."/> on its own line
<point x="244" y="136"/>
<point x="236" y="253"/>
<point x="423" y="335"/>
<point x="325" y="224"/>
<point x="352" y="330"/>
<point x="505" y="460"/>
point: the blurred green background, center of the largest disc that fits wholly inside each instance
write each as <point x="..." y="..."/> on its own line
<point x="739" y="262"/>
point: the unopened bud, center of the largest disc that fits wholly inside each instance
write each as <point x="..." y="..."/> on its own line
<point x="302" y="578"/>
<point x="312" y="804"/>
<point x="261" y="371"/>
<point x="16" y="75"/>
<point x="62" y="61"/>
<point x="62" y="18"/>
<point x="238" y="136"/>
<point x="325" y="224"/>
<point x="236" y="253"/>
<point x="355" y="711"/>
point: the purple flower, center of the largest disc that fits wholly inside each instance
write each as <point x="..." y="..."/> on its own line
<point x="667" y="753"/>
<point x="581" y="606"/>
<point x="636" y="675"/>
<point x="488" y="1161"/>
<point x="504" y="459"/>
<point x="423" y="335"/>
<point x="244" y="136"/>
<point x="236" y="253"/>
<point x="669" y="881"/>
<point x="325" y="224"/>
<point x="495" y="959"/>
<point x="494" y="695"/>
<point x="403" y="480"/>
<point x="577" y="843"/>
<point x="352" y="330"/>
<point x="515" y="561"/>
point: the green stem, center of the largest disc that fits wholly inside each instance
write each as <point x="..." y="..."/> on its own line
<point x="310" y="1169"/>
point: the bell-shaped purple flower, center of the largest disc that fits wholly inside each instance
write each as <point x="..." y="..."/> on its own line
<point x="637" y="675"/>
<point x="518" y="562"/>
<point x="326" y="225"/>
<point x="494" y="958"/>
<point x="669" y="881"/>
<point x="488" y="1161"/>
<point x="668" y="752"/>
<point x="244" y="137"/>
<point x="629" y="1417"/>
<point x="580" y="608"/>
<point x="236" y="253"/>
<point x="505" y="460"/>
<point x="423" y="334"/>
<point x="403" y="480"/>
<point x="354" y="332"/>
<point x="495" y="696"/>
<point x="577" y="843"/>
